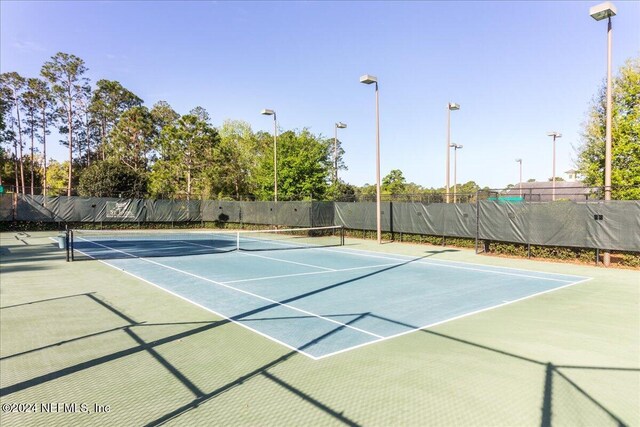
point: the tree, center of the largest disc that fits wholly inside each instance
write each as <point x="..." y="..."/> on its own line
<point x="57" y="176"/>
<point x="31" y="122"/>
<point x="131" y="140"/>
<point x="469" y="187"/>
<point x="163" y="115"/>
<point x="341" y="191"/>
<point x="36" y="104"/>
<point x="64" y="72"/>
<point x="625" y="136"/>
<point x="187" y="148"/>
<point x="7" y="172"/>
<point x="201" y="114"/>
<point x="41" y="96"/>
<point x="7" y="166"/>
<point x="87" y="133"/>
<point x="110" y="99"/>
<point x="110" y="179"/>
<point x="305" y="165"/>
<point x="235" y="159"/>
<point x="15" y="84"/>
<point x="394" y="182"/>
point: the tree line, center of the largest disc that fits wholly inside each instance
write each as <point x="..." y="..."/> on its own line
<point x="117" y="146"/>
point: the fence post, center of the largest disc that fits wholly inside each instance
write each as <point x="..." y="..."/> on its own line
<point x="477" y="219"/>
<point x="391" y="220"/>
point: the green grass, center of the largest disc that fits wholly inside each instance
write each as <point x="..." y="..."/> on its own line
<point x="85" y="333"/>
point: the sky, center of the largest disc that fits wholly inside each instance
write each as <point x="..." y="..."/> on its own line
<point x="518" y="70"/>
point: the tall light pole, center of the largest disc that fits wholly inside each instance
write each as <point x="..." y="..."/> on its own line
<point x="554" y="135"/>
<point x="520" y="182"/>
<point x="367" y="79"/>
<point x="268" y="112"/>
<point x="455" y="147"/>
<point x="450" y="106"/>
<point x="600" y="12"/>
<point x="338" y="125"/>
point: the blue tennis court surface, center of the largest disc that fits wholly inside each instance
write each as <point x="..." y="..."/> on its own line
<point x="323" y="301"/>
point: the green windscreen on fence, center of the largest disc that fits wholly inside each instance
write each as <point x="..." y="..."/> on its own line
<point x="441" y="219"/>
<point x="6" y="207"/>
<point x="594" y="224"/>
<point x="598" y="224"/>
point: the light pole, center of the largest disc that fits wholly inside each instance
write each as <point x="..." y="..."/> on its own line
<point x="268" y="112"/>
<point x="367" y="79"/>
<point x="600" y="12"/>
<point x="338" y="125"/>
<point x="455" y="147"/>
<point x="520" y="182"/>
<point x="554" y="135"/>
<point x="450" y="106"/>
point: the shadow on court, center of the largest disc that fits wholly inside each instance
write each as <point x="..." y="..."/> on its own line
<point x="199" y="396"/>
<point x="559" y="386"/>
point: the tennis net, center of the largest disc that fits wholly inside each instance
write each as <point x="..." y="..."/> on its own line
<point x="111" y="244"/>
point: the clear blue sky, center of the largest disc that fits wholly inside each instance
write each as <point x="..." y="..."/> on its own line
<point x="518" y="69"/>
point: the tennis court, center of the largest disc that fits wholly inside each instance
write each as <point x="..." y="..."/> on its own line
<point x="309" y="331"/>
<point x="306" y="290"/>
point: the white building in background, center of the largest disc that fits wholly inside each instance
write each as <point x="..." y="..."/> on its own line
<point x="571" y="176"/>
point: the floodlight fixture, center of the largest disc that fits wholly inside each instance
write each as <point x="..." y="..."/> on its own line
<point x="454" y="106"/>
<point x="603" y="11"/>
<point x="267" y="112"/>
<point x="368" y="79"/>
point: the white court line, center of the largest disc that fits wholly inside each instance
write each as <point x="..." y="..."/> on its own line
<point x="311" y="273"/>
<point x="429" y="262"/>
<point x="242" y="291"/>
<point x="205" y="308"/>
<point x="449" y="320"/>
<point x="368" y="253"/>
<point x="287" y="261"/>
<point x="265" y="257"/>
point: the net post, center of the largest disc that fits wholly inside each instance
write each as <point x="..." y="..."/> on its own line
<point x="71" y="250"/>
<point x="237" y="240"/>
<point x="66" y="243"/>
<point x="342" y="235"/>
